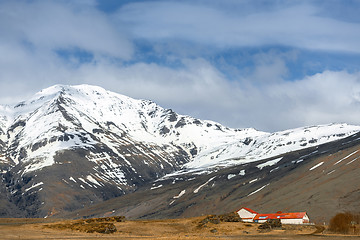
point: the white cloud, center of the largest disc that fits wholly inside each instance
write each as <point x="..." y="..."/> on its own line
<point x="53" y="25"/>
<point x="32" y="30"/>
<point x="271" y="66"/>
<point x="296" y="25"/>
<point x="200" y="90"/>
<point x="323" y="97"/>
<point x="197" y="83"/>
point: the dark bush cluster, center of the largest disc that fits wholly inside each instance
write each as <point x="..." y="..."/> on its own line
<point x="271" y="224"/>
<point x="105" y="228"/>
<point x="216" y="219"/>
<point x="230" y="217"/>
<point x="106" y="219"/>
<point x="346" y="223"/>
<point x="99" y="225"/>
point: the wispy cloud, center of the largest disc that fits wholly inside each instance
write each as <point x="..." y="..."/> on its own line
<point x="298" y="25"/>
<point x="51" y="25"/>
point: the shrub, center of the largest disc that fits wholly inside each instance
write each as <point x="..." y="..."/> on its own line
<point x="105" y="228"/>
<point x="343" y="222"/>
<point x="230" y="217"/>
<point x="99" y="225"/>
<point x="106" y="219"/>
<point x="81" y="226"/>
<point x="209" y="219"/>
<point x="216" y="219"/>
<point x="270" y="224"/>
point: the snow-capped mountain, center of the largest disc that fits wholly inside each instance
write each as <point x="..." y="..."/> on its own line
<point x="85" y="138"/>
<point x="67" y="117"/>
<point x="72" y="117"/>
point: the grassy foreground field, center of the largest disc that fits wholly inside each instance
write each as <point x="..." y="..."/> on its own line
<point x="157" y="229"/>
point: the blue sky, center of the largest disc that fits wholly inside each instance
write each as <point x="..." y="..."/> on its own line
<point x="271" y="65"/>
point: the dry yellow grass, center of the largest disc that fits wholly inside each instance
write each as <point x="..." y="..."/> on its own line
<point x="171" y="229"/>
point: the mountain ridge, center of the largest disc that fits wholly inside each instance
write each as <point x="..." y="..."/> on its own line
<point x="144" y="129"/>
<point x="94" y="145"/>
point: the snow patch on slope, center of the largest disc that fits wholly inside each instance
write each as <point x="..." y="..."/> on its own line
<point x="346" y="157"/>
<point x="258" y="190"/>
<point x="180" y="194"/>
<point x="269" y="163"/>
<point x="201" y="186"/>
<point x="34" y="186"/>
<point x="316" y="166"/>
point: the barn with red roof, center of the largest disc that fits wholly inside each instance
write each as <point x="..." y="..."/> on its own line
<point x="249" y="215"/>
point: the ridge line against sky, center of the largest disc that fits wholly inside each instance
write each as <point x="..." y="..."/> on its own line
<point x="271" y="65"/>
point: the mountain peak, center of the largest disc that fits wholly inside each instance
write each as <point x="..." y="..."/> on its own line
<point x="69" y="88"/>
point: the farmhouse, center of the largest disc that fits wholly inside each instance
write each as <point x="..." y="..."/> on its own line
<point x="249" y="215"/>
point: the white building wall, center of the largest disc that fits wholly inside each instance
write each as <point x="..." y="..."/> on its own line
<point x="261" y="221"/>
<point x="292" y="221"/>
<point x="247" y="220"/>
<point x="285" y="221"/>
<point x="303" y="220"/>
<point x="245" y="215"/>
<point x="306" y="219"/>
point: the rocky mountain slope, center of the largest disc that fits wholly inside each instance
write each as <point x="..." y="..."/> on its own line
<point x="73" y="146"/>
<point x="321" y="180"/>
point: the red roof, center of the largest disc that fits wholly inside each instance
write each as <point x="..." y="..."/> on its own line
<point x="280" y="215"/>
<point x="249" y="210"/>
